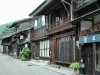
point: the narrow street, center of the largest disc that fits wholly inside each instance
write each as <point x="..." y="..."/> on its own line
<point x="10" y="66"/>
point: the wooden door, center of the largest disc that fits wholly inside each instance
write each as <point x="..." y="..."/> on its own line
<point x="36" y="49"/>
<point x="88" y="59"/>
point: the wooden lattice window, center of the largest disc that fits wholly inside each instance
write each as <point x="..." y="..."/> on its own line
<point x="65" y="49"/>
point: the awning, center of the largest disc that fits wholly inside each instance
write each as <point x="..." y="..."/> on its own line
<point x="93" y="13"/>
<point x="89" y="38"/>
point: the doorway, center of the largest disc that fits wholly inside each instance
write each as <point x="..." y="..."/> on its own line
<point x="87" y="55"/>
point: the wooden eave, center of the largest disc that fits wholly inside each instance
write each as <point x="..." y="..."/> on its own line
<point x="16" y="33"/>
<point x="35" y="39"/>
<point x="78" y="19"/>
<point x="42" y="9"/>
<point x="60" y="29"/>
<point x="48" y="7"/>
<point x="85" y="5"/>
<point x="20" y="21"/>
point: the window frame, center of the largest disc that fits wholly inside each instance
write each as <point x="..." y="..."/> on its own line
<point x="44" y="50"/>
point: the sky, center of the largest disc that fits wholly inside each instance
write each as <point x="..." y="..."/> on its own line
<point x="12" y="10"/>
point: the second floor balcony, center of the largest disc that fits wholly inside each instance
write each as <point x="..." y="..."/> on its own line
<point x="79" y="4"/>
<point x="59" y="26"/>
<point x="38" y="33"/>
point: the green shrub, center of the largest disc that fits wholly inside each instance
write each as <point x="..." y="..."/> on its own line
<point x="25" y="53"/>
<point x="75" y="65"/>
<point x="23" y="58"/>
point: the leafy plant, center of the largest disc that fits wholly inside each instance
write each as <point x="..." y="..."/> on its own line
<point x="23" y="58"/>
<point x="11" y="54"/>
<point x="75" y="65"/>
<point x="25" y="53"/>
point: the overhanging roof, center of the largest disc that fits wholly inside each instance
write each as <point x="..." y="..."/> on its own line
<point x="42" y="7"/>
<point x="40" y="38"/>
<point x="19" y="21"/>
<point x="93" y="13"/>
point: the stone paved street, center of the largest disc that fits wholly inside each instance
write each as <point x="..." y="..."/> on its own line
<point x="10" y="66"/>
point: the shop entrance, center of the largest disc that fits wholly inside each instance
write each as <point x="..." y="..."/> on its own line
<point x="87" y="55"/>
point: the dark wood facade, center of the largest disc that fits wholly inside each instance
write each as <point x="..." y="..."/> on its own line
<point x="87" y="19"/>
<point x="21" y="36"/>
<point x="6" y="42"/>
<point x="65" y="22"/>
<point x="38" y="35"/>
<point x="62" y="46"/>
<point x="60" y="31"/>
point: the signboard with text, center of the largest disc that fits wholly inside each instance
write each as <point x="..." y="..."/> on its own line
<point x="89" y="38"/>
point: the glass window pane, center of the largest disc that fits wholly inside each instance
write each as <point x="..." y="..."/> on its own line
<point x="47" y="52"/>
<point x="41" y="45"/>
<point x="66" y="38"/>
<point x="47" y="43"/>
<point x="43" y="20"/>
<point x="35" y="24"/>
<point x="42" y="53"/>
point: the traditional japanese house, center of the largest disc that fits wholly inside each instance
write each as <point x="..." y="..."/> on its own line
<point x="87" y="20"/>
<point x="21" y="35"/>
<point x="62" y="34"/>
<point x="6" y="43"/>
<point x="39" y="39"/>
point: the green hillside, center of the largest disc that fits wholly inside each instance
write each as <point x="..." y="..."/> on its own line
<point x="3" y="26"/>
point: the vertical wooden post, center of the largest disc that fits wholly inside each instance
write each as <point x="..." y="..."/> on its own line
<point x="31" y="50"/>
<point x="80" y="48"/>
<point x="94" y="49"/>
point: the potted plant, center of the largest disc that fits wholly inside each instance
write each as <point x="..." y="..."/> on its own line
<point x="25" y="53"/>
<point x="75" y="66"/>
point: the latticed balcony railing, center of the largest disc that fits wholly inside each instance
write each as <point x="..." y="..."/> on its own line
<point x="80" y="3"/>
<point x="58" y="23"/>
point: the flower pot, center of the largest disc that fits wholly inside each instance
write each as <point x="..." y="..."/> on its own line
<point x="75" y="71"/>
<point x="28" y="59"/>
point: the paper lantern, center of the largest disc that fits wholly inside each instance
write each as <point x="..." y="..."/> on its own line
<point x="21" y="37"/>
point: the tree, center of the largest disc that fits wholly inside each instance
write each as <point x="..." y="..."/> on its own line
<point x="8" y="29"/>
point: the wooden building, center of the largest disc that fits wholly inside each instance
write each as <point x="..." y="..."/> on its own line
<point x="62" y="30"/>
<point x="39" y="39"/>
<point x="62" y="34"/>
<point x="20" y="37"/>
<point x="6" y="42"/>
<point x="87" y="19"/>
